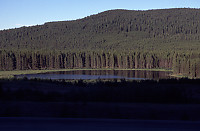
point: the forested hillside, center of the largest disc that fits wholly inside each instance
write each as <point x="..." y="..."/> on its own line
<point x="168" y="38"/>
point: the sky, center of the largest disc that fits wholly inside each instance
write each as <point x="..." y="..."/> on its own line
<point x="17" y="13"/>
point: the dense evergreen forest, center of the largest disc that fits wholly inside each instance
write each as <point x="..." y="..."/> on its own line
<point x="166" y="38"/>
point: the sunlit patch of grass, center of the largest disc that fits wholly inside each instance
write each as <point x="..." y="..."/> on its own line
<point x="181" y="76"/>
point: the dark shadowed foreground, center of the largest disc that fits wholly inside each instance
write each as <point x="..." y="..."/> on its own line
<point x="145" y="100"/>
<point x="36" y="124"/>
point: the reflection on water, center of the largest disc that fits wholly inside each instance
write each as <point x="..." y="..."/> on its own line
<point x="101" y="74"/>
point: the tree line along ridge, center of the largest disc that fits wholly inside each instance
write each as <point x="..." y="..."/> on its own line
<point x="166" y="38"/>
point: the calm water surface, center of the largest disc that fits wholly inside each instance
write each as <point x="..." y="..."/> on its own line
<point x="100" y="74"/>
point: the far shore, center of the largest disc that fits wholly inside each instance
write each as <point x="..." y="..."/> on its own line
<point x="11" y="74"/>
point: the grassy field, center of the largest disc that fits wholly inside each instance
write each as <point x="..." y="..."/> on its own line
<point x="10" y="74"/>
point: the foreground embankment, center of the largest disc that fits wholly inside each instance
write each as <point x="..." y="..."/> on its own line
<point x="170" y="99"/>
<point x="33" y="124"/>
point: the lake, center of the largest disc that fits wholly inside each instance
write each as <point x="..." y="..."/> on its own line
<point x="100" y="74"/>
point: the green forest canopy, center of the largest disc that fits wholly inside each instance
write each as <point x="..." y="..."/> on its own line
<point x="165" y="38"/>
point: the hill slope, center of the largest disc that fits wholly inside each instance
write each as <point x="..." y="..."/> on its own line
<point x="110" y="29"/>
<point x="172" y="36"/>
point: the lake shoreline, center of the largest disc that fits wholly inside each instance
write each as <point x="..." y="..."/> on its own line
<point x="11" y="74"/>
